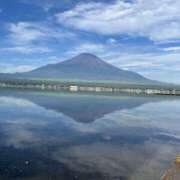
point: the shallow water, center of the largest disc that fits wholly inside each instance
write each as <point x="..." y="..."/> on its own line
<point x="63" y="136"/>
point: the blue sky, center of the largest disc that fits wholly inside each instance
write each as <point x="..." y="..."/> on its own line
<point x="137" y="35"/>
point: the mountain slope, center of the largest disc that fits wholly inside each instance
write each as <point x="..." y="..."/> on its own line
<point x="85" y="66"/>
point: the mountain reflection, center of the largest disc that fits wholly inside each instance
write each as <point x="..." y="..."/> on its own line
<point x="43" y="136"/>
<point x="84" y="108"/>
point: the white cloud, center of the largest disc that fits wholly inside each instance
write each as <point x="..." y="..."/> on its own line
<point x="22" y="37"/>
<point x="172" y="48"/>
<point x="47" y="5"/>
<point x="27" y="32"/>
<point x="164" y="67"/>
<point x="156" y="20"/>
<point x="27" y="49"/>
<point x="157" y="61"/>
<point x="12" y="68"/>
<point x="88" y="47"/>
<point x="24" y="32"/>
<point x="27" y="37"/>
<point x="26" y="64"/>
<point x="111" y="41"/>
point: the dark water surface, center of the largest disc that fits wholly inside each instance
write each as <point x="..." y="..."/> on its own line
<point x="63" y="136"/>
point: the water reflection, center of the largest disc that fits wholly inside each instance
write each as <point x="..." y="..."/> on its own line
<point x="66" y="136"/>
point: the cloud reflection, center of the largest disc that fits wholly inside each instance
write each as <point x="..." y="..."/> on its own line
<point x="135" y="143"/>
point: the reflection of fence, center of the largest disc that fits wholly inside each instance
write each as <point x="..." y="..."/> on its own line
<point x="173" y="174"/>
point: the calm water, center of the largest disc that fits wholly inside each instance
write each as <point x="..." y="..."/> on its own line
<point x="48" y="136"/>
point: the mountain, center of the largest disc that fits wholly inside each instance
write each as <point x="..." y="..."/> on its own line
<point x="84" y="66"/>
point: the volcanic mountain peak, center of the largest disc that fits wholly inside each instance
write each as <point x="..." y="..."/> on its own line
<point x="85" y="55"/>
<point x="85" y="58"/>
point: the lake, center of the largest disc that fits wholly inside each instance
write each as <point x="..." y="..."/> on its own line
<point x="69" y="136"/>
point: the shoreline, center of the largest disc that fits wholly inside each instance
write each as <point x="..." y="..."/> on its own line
<point x="98" y="89"/>
<point x="174" y="173"/>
